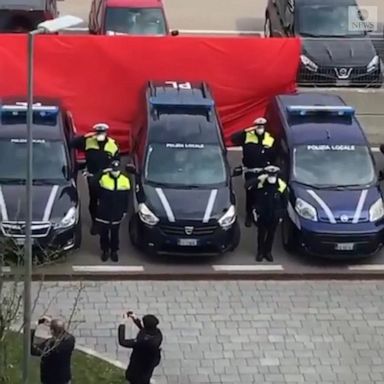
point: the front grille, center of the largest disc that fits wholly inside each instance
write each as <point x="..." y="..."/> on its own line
<point x="177" y="230"/>
<point x="11" y="229"/>
<point x="345" y="238"/>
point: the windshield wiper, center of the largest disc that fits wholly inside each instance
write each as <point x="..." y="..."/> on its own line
<point x="12" y="181"/>
<point x="46" y="181"/>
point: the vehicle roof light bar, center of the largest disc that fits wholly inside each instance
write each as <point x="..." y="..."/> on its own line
<point x="303" y="110"/>
<point x="23" y="107"/>
<point x="177" y="102"/>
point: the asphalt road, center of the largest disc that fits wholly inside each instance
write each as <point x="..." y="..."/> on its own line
<point x="236" y="15"/>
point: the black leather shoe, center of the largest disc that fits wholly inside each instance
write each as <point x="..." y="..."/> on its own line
<point x="114" y="257"/>
<point x="248" y="221"/>
<point x="259" y="256"/>
<point x="269" y="257"/>
<point x="105" y="256"/>
<point x="94" y="230"/>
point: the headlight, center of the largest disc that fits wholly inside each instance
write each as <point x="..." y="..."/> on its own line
<point x="70" y="219"/>
<point x="305" y="210"/>
<point x="146" y="215"/>
<point x="376" y="212"/>
<point x="374" y="64"/>
<point x="228" y="218"/>
<point x="308" y="63"/>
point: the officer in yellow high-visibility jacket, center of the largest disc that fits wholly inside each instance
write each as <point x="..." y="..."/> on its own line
<point x="259" y="150"/>
<point x="100" y="150"/>
<point x="270" y="200"/>
<point x="113" y="194"/>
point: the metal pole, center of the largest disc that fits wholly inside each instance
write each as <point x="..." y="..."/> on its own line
<point x="28" y="223"/>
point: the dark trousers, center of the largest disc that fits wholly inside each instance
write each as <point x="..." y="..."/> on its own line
<point x="248" y="195"/>
<point x="92" y="198"/>
<point x="266" y="235"/>
<point x="109" y="237"/>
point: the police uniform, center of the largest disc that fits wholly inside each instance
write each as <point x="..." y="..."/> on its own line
<point x="98" y="156"/>
<point x="258" y="152"/>
<point x="271" y="201"/>
<point x="113" y="189"/>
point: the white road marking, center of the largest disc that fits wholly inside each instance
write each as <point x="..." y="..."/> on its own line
<point x="246" y="268"/>
<point x="239" y="149"/>
<point x="100" y="356"/>
<point x="6" y="269"/>
<point x="107" y="268"/>
<point x="367" y="267"/>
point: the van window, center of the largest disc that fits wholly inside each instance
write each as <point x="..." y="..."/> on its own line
<point x="12" y="21"/>
<point x="135" y="21"/>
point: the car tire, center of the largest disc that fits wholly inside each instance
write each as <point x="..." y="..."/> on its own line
<point x="133" y="232"/>
<point x="267" y="26"/>
<point x="288" y="236"/>
<point x="236" y="238"/>
<point x="78" y="235"/>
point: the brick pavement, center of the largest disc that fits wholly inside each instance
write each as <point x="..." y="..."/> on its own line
<point x="240" y="332"/>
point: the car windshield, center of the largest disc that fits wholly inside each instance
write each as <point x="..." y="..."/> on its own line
<point x="49" y="161"/>
<point x="333" y="165"/>
<point x="329" y="21"/>
<point x="185" y="165"/>
<point x="136" y="21"/>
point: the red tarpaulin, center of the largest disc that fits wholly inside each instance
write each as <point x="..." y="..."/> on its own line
<point x="101" y="78"/>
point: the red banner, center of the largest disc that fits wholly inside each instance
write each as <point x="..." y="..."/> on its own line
<point x="102" y="78"/>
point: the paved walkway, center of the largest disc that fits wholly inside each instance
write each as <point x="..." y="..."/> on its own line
<point x="240" y="332"/>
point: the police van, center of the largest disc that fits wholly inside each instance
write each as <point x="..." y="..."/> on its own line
<point x="336" y="204"/>
<point x="184" y="202"/>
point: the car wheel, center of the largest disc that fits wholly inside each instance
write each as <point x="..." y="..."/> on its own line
<point x="133" y="232"/>
<point x="236" y="238"/>
<point x="288" y="236"/>
<point x="78" y="235"/>
<point x="267" y="26"/>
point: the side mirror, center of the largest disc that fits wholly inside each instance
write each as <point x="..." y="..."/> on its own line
<point x="130" y="168"/>
<point x="238" y="171"/>
<point x="382" y="148"/>
<point x="175" y="32"/>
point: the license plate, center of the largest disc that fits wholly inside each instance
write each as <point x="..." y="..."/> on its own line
<point x="343" y="83"/>
<point x="20" y="241"/>
<point x="345" y="247"/>
<point x="187" y="242"/>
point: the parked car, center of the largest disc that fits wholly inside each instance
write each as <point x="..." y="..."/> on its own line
<point x="24" y="15"/>
<point x="336" y="205"/>
<point x="56" y="205"/>
<point x="337" y="46"/>
<point x="184" y="202"/>
<point x="128" y="17"/>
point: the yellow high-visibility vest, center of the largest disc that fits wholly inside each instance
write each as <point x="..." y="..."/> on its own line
<point x="108" y="182"/>
<point x="282" y="183"/>
<point x="110" y="146"/>
<point x="251" y="137"/>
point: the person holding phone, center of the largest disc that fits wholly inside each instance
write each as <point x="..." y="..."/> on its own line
<point x="146" y="351"/>
<point x="55" y="352"/>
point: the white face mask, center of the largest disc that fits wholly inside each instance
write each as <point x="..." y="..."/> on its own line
<point x="115" y="173"/>
<point x="272" y="179"/>
<point x="101" y="136"/>
<point x="260" y="131"/>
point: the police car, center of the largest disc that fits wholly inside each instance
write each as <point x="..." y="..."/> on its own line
<point x="336" y="205"/>
<point x="184" y="198"/>
<point x="56" y="207"/>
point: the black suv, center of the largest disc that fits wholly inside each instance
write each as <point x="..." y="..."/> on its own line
<point x="56" y="208"/>
<point x="337" y="48"/>
<point x="184" y="199"/>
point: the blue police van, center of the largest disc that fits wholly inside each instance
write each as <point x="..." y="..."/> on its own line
<point x="336" y="205"/>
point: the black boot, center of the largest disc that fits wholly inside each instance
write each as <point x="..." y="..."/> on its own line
<point x="248" y="220"/>
<point x="114" y="256"/>
<point x="259" y="256"/>
<point x="105" y="256"/>
<point x="94" y="230"/>
<point x="269" y="257"/>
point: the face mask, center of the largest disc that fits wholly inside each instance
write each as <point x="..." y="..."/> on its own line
<point x="260" y="131"/>
<point x="101" y="137"/>
<point x="115" y="173"/>
<point x="272" y="179"/>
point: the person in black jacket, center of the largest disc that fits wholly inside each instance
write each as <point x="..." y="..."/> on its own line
<point x="259" y="151"/>
<point x="100" y="150"/>
<point x="146" y="351"/>
<point x="55" y="353"/>
<point x="270" y="200"/>
<point x="112" y="194"/>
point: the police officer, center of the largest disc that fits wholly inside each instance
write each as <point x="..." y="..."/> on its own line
<point x="100" y="150"/>
<point x="259" y="150"/>
<point x="269" y="194"/>
<point x="113" y="189"/>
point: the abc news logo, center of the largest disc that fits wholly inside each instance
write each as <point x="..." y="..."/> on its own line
<point x="363" y="19"/>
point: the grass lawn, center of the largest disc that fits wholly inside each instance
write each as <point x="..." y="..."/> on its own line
<point x="85" y="369"/>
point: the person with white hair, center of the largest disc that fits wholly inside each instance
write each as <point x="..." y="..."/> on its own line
<point x="259" y="151"/>
<point x="55" y="352"/>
